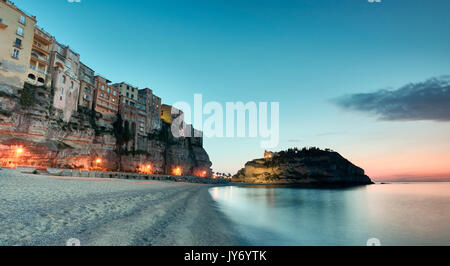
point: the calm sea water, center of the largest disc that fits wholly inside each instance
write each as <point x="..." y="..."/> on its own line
<point x="396" y="214"/>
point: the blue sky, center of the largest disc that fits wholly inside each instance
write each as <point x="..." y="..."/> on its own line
<point x="300" y="53"/>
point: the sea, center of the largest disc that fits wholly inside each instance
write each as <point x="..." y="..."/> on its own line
<point x="393" y="214"/>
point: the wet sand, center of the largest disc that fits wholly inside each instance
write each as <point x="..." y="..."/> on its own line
<point x="44" y="210"/>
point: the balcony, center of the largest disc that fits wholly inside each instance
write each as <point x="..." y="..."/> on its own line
<point x="3" y="24"/>
<point x="40" y="59"/>
<point x="43" y="38"/>
<point x="40" y="48"/>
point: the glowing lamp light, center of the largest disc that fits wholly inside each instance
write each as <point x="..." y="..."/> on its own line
<point x="204" y="174"/>
<point x="177" y="171"/>
<point x="98" y="160"/>
<point x="19" y="150"/>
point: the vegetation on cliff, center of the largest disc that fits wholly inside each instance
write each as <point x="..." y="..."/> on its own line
<point x="122" y="132"/>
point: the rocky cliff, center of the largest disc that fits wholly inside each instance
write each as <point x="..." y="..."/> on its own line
<point x="29" y="122"/>
<point x="306" y="166"/>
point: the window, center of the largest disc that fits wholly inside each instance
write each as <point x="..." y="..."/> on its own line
<point x="114" y="93"/>
<point x="62" y="90"/>
<point x="86" y="97"/>
<point x="128" y="95"/>
<point x="101" y="95"/>
<point x="103" y="87"/>
<point x="63" y="80"/>
<point x="18" y="43"/>
<point x="15" y="54"/>
<point x="108" y="89"/>
<point x="23" y="20"/>
<point x="20" y="31"/>
<point x="71" y="85"/>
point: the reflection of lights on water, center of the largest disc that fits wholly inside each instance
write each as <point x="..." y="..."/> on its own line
<point x="215" y="193"/>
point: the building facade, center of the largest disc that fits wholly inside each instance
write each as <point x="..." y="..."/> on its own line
<point x="150" y="105"/>
<point x="38" y="69"/>
<point x="127" y="90"/>
<point x="106" y="97"/>
<point x="16" y="39"/>
<point x="87" y="86"/>
<point x="64" y="65"/>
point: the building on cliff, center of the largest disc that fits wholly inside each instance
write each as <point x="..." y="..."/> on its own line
<point x="141" y="109"/>
<point x="169" y="113"/>
<point x="87" y="86"/>
<point x="129" y="92"/>
<point x="32" y="59"/>
<point x="106" y="97"/>
<point x="38" y="73"/>
<point x="64" y="66"/>
<point x="16" y="40"/>
<point x="150" y="104"/>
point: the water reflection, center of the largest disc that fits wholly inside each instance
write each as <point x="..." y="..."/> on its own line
<point x="397" y="214"/>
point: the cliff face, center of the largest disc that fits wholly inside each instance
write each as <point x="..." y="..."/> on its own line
<point x="29" y="121"/>
<point x="307" y="166"/>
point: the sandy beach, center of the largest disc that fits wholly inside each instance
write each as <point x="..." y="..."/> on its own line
<point x="44" y="210"/>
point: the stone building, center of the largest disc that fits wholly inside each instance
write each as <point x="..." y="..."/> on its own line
<point x="128" y="91"/>
<point x="87" y="86"/>
<point x="38" y="73"/>
<point x="64" y="65"/>
<point x="268" y="155"/>
<point x="150" y="104"/>
<point x="16" y="40"/>
<point x="106" y="97"/>
<point x="169" y="113"/>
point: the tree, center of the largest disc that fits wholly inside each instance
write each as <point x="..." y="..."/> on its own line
<point x="118" y="131"/>
<point x="121" y="131"/>
<point x="127" y="134"/>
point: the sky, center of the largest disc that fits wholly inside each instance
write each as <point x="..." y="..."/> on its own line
<point x="322" y="60"/>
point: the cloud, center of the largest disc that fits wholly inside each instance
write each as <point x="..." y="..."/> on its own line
<point x="428" y="100"/>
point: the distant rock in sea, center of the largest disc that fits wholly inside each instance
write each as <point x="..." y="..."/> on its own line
<point x="308" y="166"/>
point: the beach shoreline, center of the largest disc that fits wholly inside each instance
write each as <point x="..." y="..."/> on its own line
<point x="48" y="210"/>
